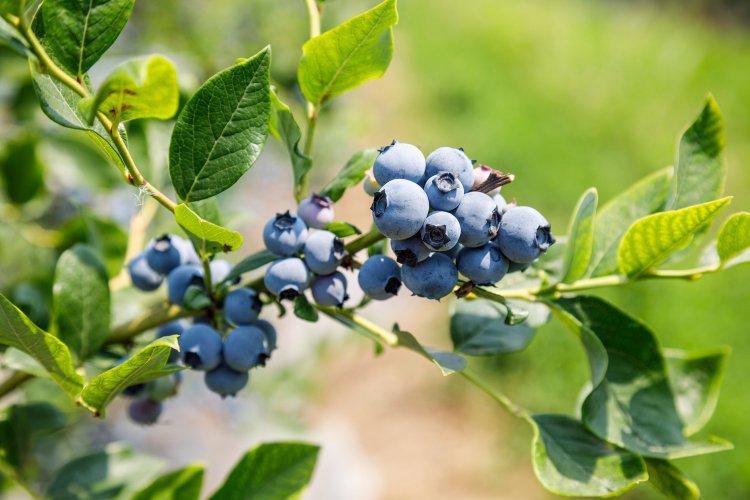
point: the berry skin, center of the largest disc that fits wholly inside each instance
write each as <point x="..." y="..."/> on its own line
<point x="316" y="211"/>
<point x="444" y="191"/>
<point x="172" y="328"/>
<point x="441" y="231"/>
<point x="479" y="219"/>
<point x="287" y="278"/>
<point x="162" y="256"/>
<point x="432" y="278"/>
<point x="200" y="347"/>
<point x="502" y="205"/>
<point x="242" y="306"/>
<point x="188" y="255"/>
<point x="226" y="382"/>
<point x="270" y="332"/>
<point x="453" y="252"/>
<point x="369" y="184"/>
<point x="220" y="269"/>
<point x="410" y="251"/>
<point x="399" y="161"/>
<point x="524" y="235"/>
<point x="380" y="277"/>
<point x="244" y="348"/>
<point x="324" y="252"/>
<point x="164" y="387"/>
<point x="330" y="290"/>
<point x="285" y="234"/>
<point x="399" y="209"/>
<point x="514" y="267"/>
<point x="142" y="276"/>
<point x="145" y="411"/>
<point x="484" y="265"/>
<point x="180" y="279"/>
<point x="451" y="160"/>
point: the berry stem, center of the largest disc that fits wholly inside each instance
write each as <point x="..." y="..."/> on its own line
<point x="499" y="397"/>
<point x="364" y="241"/>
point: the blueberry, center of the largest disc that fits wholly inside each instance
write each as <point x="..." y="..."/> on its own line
<point x="245" y="348"/>
<point x="524" y="235"/>
<point x="432" y="278"/>
<point x="188" y="255"/>
<point x="145" y="411"/>
<point x="200" y="347"/>
<point x="270" y="333"/>
<point x="441" y="231"/>
<point x="399" y="161"/>
<point x="242" y="306"/>
<point x="369" y="183"/>
<point x="164" y="387"/>
<point x="172" y="328"/>
<point x="453" y="252"/>
<point x="500" y="202"/>
<point x="225" y="381"/>
<point x="142" y="276"/>
<point x="410" y="251"/>
<point x="220" y="269"/>
<point x="180" y="279"/>
<point x="287" y="278"/>
<point x="316" y="211"/>
<point x="444" y="191"/>
<point x="484" y="265"/>
<point x="451" y="160"/>
<point x="284" y="234"/>
<point x="162" y="256"/>
<point x="399" y="209"/>
<point x="380" y="277"/>
<point x="479" y="219"/>
<point x="134" y="391"/>
<point x="330" y="290"/>
<point x="514" y="267"/>
<point x="324" y="252"/>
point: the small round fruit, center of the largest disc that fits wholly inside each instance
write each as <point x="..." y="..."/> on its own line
<point x="399" y="161"/>
<point x="330" y="290"/>
<point x="441" y="231"/>
<point x="484" y="265"/>
<point x="452" y="160"/>
<point x="200" y="347"/>
<point x="162" y="256"/>
<point x="399" y="209"/>
<point x="145" y="411"/>
<point x="410" y="251"/>
<point x="242" y="306"/>
<point x="142" y="276"/>
<point x="444" y="191"/>
<point x="172" y="328"/>
<point x="514" y="267"/>
<point x="287" y="278"/>
<point x="164" y="387"/>
<point x="369" y="184"/>
<point x="316" y="211"/>
<point x="524" y="235"/>
<point x="500" y="202"/>
<point x="245" y="348"/>
<point x="188" y="255"/>
<point x="270" y="333"/>
<point x="284" y="234"/>
<point x="380" y="277"/>
<point x="479" y="219"/>
<point x="226" y="382"/>
<point x="220" y="269"/>
<point x="432" y="278"/>
<point x="453" y="252"/>
<point x="180" y="279"/>
<point x="324" y="252"/>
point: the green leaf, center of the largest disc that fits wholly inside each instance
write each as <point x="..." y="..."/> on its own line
<point x="182" y="484"/>
<point x="595" y="351"/>
<point x="348" y="55"/>
<point x="351" y="174"/>
<point x="700" y="170"/>
<point x="33" y="301"/>
<point x="141" y="88"/>
<point x="304" y="310"/>
<point x="107" y="237"/>
<point x="478" y="328"/>
<point x="696" y="379"/>
<point x="81" y="301"/>
<point x="251" y="263"/>
<point x="21" y="170"/>
<point x="284" y="127"/>
<point x="9" y="37"/>
<point x="615" y="217"/>
<point x="77" y="33"/>
<point x="571" y="461"/>
<point x="16" y="330"/>
<point x="270" y="471"/>
<point x="734" y="237"/>
<point x="342" y="229"/>
<point x="207" y="236"/>
<point x="652" y="239"/>
<point x="15" y="359"/>
<point x="671" y="481"/>
<point x="196" y="298"/>
<point x="221" y="130"/>
<point x="147" y="364"/>
<point x="580" y="243"/>
<point x="448" y="362"/>
<point x="20" y="423"/>
<point x="14" y="7"/>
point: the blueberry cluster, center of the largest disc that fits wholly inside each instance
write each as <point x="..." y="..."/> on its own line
<point x="445" y="217"/>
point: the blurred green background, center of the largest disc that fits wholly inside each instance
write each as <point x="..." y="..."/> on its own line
<point x="564" y="94"/>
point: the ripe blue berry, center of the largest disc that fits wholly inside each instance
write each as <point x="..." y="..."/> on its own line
<point x="287" y="278"/>
<point x="242" y="306"/>
<point x="484" y="265"/>
<point x="453" y="252"/>
<point x="162" y="256"/>
<point x="316" y="211"/>
<point x="441" y="231"/>
<point x="200" y="347"/>
<point x="188" y="255"/>
<point x="180" y="279"/>
<point x="172" y="328"/>
<point x="284" y="234"/>
<point x="380" y="277"/>
<point x="399" y="161"/>
<point x="432" y="278"/>
<point x="142" y="276"/>
<point x="452" y="160"/>
<point x="220" y="269"/>
<point x="514" y="267"/>
<point x="399" y="209"/>
<point x="145" y="411"/>
<point x="524" y="235"/>
<point x="479" y="219"/>
<point x="330" y="290"/>
<point x="502" y="205"/>
<point x="270" y="332"/>
<point x="164" y="387"/>
<point x="245" y="348"/>
<point x="444" y="191"/>
<point x="410" y="251"/>
<point x="225" y="381"/>
<point x="324" y="252"/>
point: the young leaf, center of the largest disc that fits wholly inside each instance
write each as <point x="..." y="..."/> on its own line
<point x="304" y="310"/>
<point x="571" y="461"/>
<point x="147" y="364"/>
<point x="182" y="484"/>
<point x="77" y="33"/>
<point x="10" y="38"/>
<point x="671" y="481"/>
<point x="734" y="238"/>
<point x="615" y="217"/>
<point x="141" y="88"/>
<point x="269" y="472"/>
<point x="348" y="55"/>
<point x="652" y="239"/>
<point x="700" y="170"/>
<point x="478" y="328"/>
<point x="448" y="362"/>
<point x="580" y="238"/>
<point x="251" y="263"/>
<point x="284" y="127"/>
<point x="207" y="236"/>
<point x="81" y="300"/>
<point x="22" y="172"/>
<point x="221" y="130"/>
<point x="16" y="330"/>
<point x="342" y="229"/>
<point x="106" y="236"/>
<point x="351" y="174"/>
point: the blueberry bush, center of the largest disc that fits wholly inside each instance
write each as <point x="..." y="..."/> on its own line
<point x="441" y="230"/>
